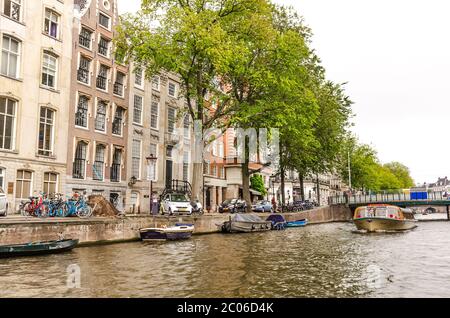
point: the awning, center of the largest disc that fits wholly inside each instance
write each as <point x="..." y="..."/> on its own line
<point x="255" y="192"/>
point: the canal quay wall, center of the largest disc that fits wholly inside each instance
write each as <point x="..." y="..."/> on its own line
<point x="114" y="230"/>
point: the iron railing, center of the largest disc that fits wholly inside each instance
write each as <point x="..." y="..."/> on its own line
<point x="115" y="172"/>
<point x="79" y="166"/>
<point x="101" y="82"/>
<point x="83" y="75"/>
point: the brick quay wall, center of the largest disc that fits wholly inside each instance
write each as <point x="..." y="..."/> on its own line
<point x="17" y="230"/>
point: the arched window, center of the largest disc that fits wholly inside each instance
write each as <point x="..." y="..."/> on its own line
<point x="79" y="165"/>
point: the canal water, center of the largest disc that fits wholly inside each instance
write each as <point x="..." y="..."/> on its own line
<point x="329" y="260"/>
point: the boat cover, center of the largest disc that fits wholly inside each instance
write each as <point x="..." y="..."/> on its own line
<point x="247" y="218"/>
<point x="276" y="218"/>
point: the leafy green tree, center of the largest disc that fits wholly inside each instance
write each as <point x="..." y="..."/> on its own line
<point x="257" y="183"/>
<point x="402" y="173"/>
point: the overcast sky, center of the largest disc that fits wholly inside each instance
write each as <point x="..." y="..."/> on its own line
<point x="395" y="56"/>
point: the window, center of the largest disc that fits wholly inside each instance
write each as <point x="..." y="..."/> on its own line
<point x="169" y="151"/>
<point x="118" y="121"/>
<point x="102" y="77"/>
<point x="154" y="152"/>
<point x="137" y="110"/>
<point x="154" y="115"/>
<point x="12" y="9"/>
<point x="50" y="182"/>
<point x="81" y="116"/>
<point x="23" y="184"/>
<point x="10" y="56"/>
<point x="51" y="23"/>
<point x="214" y="148"/>
<point x="222" y="172"/>
<point x="206" y="168"/>
<point x="2" y="178"/>
<point x="136" y="159"/>
<point x="46" y="124"/>
<point x="186" y="125"/>
<point x="186" y="166"/>
<point x="7" y="122"/>
<point x="100" y="118"/>
<point x="118" y="84"/>
<point x="155" y="82"/>
<point x="172" y="89"/>
<point x="116" y="165"/>
<point x="171" y="120"/>
<point x="85" y="38"/>
<point x="103" y="46"/>
<point x="79" y="165"/>
<point x="214" y="170"/>
<point x="83" y="70"/>
<point x="99" y="163"/>
<point x="49" y="65"/>
<point x="138" y="77"/>
<point x="221" y="148"/>
<point x="103" y="20"/>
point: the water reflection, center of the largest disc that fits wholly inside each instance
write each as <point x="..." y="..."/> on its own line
<point x="327" y="260"/>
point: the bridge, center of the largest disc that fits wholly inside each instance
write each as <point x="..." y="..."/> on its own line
<point x="404" y="200"/>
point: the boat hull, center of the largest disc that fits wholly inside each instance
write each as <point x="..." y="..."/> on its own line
<point x="383" y="224"/>
<point x="38" y="248"/>
<point x="168" y="234"/>
<point x="300" y="223"/>
<point x="246" y="227"/>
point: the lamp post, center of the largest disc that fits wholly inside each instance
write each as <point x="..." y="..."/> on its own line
<point x="151" y="161"/>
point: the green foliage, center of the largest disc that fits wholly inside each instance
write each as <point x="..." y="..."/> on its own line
<point x="257" y="183"/>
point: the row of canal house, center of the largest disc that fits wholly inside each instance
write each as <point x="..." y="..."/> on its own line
<point x="73" y="118"/>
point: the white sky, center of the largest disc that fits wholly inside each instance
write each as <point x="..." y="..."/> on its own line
<point x="395" y="56"/>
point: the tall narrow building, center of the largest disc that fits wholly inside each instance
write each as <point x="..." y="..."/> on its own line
<point x="96" y="154"/>
<point x="36" y="43"/>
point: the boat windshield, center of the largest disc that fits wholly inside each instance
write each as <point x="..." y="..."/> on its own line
<point x="379" y="212"/>
<point x="178" y="198"/>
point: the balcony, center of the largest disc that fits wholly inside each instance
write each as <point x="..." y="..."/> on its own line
<point x="171" y="139"/>
<point x="83" y="75"/>
<point x="101" y="82"/>
<point x="118" y="89"/>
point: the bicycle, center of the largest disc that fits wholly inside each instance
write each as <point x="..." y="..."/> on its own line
<point x="57" y="206"/>
<point x="34" y="207"/>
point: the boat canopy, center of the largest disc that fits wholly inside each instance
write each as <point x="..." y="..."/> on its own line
<point x="247" y="218"/>
<point x="276" y="218"/>
<point x="378" y="211"/>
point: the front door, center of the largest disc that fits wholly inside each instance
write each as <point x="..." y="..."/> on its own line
<point x="169" y="173"/>
<point x="208" y="198"/>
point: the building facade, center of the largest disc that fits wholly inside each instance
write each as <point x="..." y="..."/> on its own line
<point x="36" y="37"/>
<point x="158" y="125"/>
<point x="99" y="97"/>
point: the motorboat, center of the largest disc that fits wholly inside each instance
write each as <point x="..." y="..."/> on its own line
<point x="298" y="223"/>
<point x="37" y="248"/>
<point x="245" y="223"/>
<point x="380" y="217"/>
<point x="177" y="232"/>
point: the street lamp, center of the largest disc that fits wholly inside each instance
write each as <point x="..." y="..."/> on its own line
<point x="151" y="161"/>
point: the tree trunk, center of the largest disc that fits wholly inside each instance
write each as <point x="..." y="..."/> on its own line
<point x="318" y="189"/>
<point x="246" y="176"/>
<point x="197" y="182"/>
<point x="302" y="186"/>
<point x="283" y="197"/>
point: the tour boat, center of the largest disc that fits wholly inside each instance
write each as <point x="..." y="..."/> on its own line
<point x="37" y="248"/>
<point x="177" y="232"/>
<point x="245" y="223"/>
<point x="379" y="217"/>
<point x="298" y="223"/>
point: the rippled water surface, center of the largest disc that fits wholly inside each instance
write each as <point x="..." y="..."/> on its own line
<point x="329" y="260"/>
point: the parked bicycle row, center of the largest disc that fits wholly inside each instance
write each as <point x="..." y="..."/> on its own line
<point x="44" y="205"/>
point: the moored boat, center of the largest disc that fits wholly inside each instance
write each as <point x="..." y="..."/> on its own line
<point x="37" y="248"/>
<point x="298" y="223"/>
<point x="246" y="223"/>
<point x="278" y="222"/>
<point x="374" y="218"/>
<point x="177" y="232"/>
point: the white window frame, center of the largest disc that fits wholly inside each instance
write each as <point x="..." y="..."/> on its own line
<point x="141" y="76"/>
<point x="139" y="157"/>
<point x="156" y="86"/>
<point x="49" y="20"/>
<point x="9" y="53"/>
<point x="16" y="2"/>
<point x="152" y="114"/>
<point x="108" y="48"/>
<point x="97" y="102"/>
<point x="55" y="80"/>
<point x="14" y="123"/>
<point x="174" y="120"/>
<point x="2" y="177"/>
<point x="21" y="190"/>
<point x="134" y="109"/>
<point x="52" y="132"/>
<point x="155" y="153"/>
<point x="90" y="38"/>
<point x="175" y="89"/>
<point x="56" y="183"/>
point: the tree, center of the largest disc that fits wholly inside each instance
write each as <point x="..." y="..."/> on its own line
<point x="401" y="172"/>
<point x="196" y="40"/>
<point x="257" y="183"/>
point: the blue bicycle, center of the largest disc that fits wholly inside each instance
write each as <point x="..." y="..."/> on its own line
<point x="78" y="207"/>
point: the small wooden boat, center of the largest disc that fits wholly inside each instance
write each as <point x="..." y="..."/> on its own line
<point x="246" y="223"/>
<point x="381" y="217"/>
<point x="37" y="248"/>
<point x="298" y="223"/>
<point x="177" y="232"/>
<point x="278" y="222"/>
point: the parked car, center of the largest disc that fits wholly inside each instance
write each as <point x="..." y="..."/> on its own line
<point x="3" y="203"/>
<point x="262" y="206"/>
<point x="233" y="206"/>
<point x="176" y="203"/>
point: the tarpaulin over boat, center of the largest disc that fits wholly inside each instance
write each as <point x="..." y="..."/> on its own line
<point x="276" y="218"/>
<point x="247" y="218"/>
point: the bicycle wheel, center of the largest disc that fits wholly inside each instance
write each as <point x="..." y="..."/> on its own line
<point x="84" y="212"/>
<point x="25" y="208"/>
<point x="43" y="211"/>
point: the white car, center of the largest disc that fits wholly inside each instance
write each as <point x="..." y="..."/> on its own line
<point x="176" y="203"/>
<point x="3" y="203"/>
